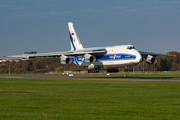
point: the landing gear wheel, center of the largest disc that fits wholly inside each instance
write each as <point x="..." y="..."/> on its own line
<point x="112" y="70"/>
<point x="128" y="69"/>
<point x="95" y="70"/>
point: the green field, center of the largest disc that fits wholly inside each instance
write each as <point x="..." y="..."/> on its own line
<point x="23" y="99"/>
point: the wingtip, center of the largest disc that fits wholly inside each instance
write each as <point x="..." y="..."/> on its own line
<point x="4" y="56"/>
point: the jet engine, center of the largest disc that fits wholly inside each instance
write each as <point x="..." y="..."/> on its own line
<point x="65" y="60"/>
<point x="89" y="58"/>
<point x="151" y="59"/>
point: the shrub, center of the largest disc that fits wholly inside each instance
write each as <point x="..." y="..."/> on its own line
<point x="60" y="69"/>
<point x="18" y="71"/>
<point x="3" y="71"/>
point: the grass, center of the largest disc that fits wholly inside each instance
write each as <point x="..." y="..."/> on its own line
<point x="88" y="99"/>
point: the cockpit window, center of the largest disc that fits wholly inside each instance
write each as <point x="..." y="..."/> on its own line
<point x="130" y="47"/>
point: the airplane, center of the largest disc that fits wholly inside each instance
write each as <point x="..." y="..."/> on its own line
<point x="109" y="58"/>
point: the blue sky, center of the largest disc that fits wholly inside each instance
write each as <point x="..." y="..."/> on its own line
<point x="41" y="25"/>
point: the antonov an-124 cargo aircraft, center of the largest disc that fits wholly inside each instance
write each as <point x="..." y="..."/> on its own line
<point x="97" y="58"/>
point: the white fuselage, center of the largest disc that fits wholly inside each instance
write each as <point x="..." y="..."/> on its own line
<point x="115" y="57"/>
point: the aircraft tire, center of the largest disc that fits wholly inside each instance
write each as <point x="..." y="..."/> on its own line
<point x="115" y="70"/>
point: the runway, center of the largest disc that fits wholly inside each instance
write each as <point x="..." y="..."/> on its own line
<point x="89" y="78"/>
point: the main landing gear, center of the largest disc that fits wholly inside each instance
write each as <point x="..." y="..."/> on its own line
<point x="130" y="69"/>
<point x="94" y="70"/>
<point x="115" y="70"/>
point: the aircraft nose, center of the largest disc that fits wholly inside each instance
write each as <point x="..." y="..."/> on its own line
<point x="139" y="58"/>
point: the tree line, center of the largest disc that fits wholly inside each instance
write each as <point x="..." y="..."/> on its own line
<point x="43" y="65"/>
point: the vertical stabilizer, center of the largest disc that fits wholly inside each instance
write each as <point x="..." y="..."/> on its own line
<point x="74" y="39"/>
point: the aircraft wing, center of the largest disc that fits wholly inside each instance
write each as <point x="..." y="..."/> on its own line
<point x="80" y="52"/>
<point x="154" y="54"/>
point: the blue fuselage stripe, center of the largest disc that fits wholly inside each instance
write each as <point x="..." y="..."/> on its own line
<point x="116" y="57"/>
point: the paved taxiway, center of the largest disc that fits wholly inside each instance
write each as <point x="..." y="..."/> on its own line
<point x="90" y="78"/>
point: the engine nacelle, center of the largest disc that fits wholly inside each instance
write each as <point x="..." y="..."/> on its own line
<point x="65" y="60"/>
<point x="151" y="59"/>
<point x="89" y="58"/>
